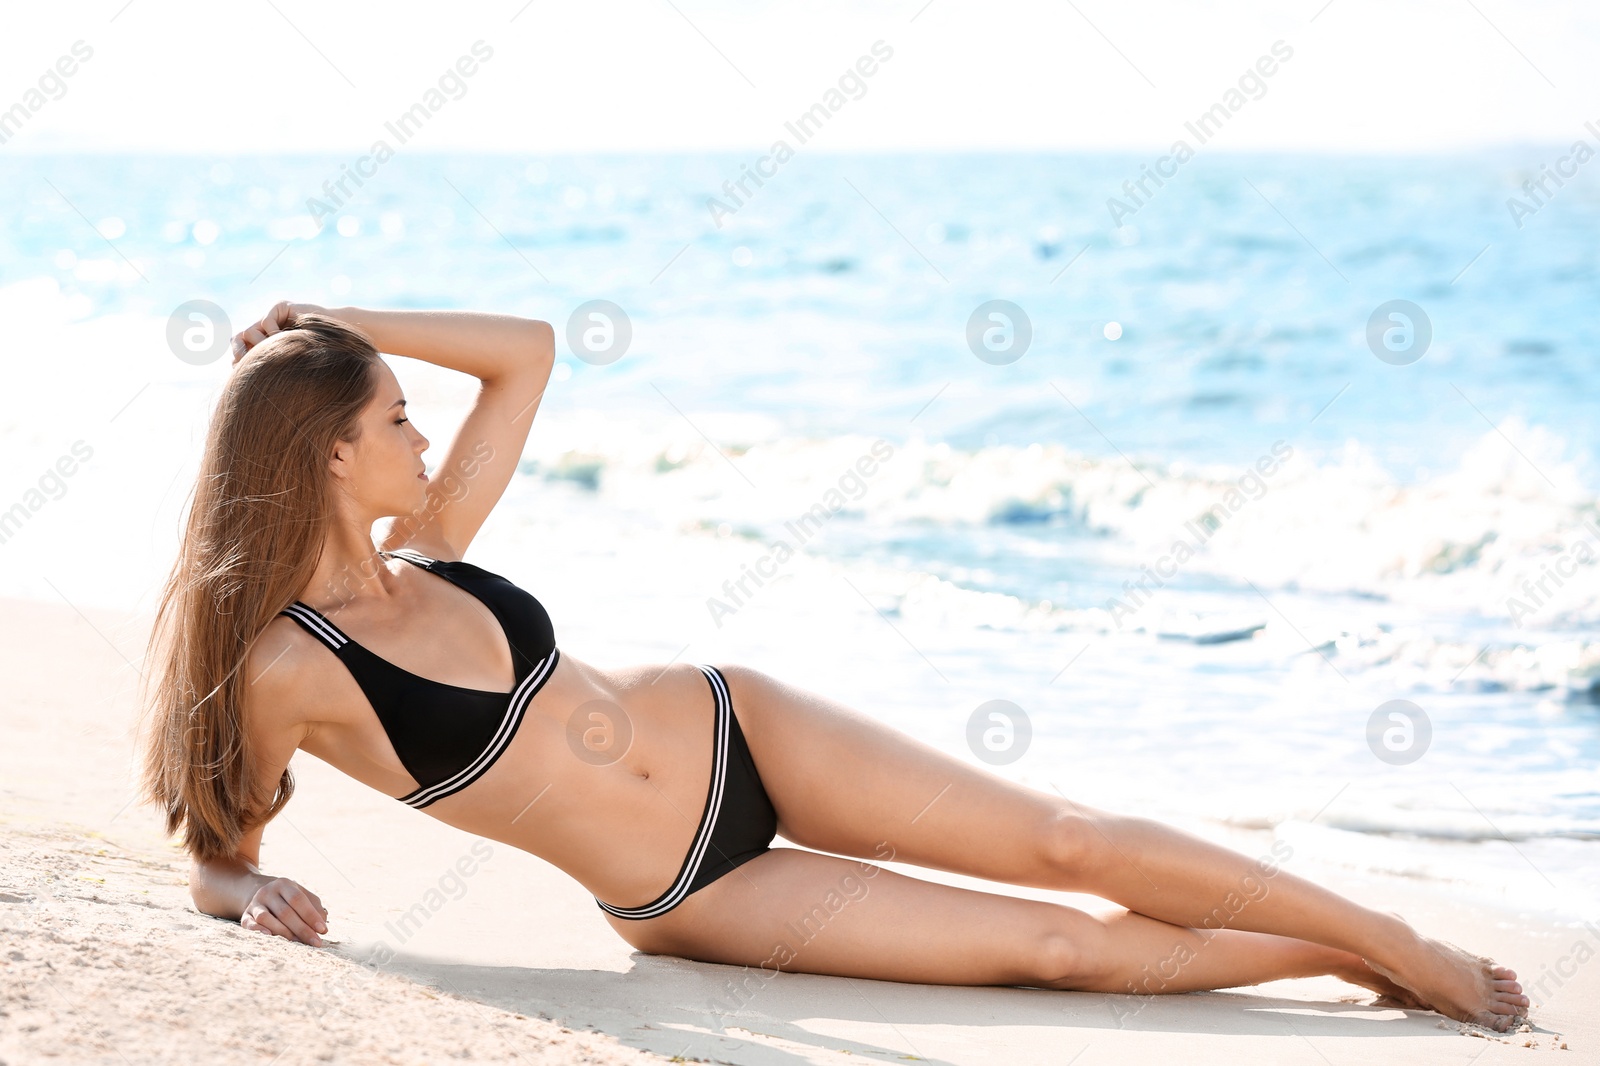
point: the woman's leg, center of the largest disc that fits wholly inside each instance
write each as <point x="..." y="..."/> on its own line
<point x="799" y="911"/>
<point x="845" y="783"/>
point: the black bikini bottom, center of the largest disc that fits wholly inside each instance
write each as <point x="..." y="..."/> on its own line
<point x="738" y="823"/>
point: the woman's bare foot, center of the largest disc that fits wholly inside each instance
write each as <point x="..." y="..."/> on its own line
<point x="1458" y="984"/>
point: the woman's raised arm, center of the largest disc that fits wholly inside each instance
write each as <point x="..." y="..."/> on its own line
<point x="512" y="358"/>
<point x="491" y="347"/>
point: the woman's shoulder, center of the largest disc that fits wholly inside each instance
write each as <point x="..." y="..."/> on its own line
<point x="284" y="679"/>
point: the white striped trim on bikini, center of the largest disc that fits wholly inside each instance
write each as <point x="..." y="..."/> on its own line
<point x="515" y="709"/>
<point x="697" y="851"/>
<point x="318" y="625"/>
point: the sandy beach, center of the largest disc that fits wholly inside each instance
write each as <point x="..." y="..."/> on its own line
<point x="1220" y="454"/>
<point x="106" y="960"/>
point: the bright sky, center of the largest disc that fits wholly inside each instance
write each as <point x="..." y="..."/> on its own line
<point x="638" y="75"/>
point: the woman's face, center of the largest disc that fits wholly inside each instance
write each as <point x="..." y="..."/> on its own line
<point x="382" y="472"/>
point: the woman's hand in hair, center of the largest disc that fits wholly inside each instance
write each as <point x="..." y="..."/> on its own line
<point x="283" y="908"/>
<point x="270" y="323"/>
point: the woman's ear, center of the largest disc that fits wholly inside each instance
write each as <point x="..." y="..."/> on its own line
<point x="341" y="463"/>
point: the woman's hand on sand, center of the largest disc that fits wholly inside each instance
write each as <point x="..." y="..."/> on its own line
<point x="270" y="323"/>
<point x="283" y="908"/>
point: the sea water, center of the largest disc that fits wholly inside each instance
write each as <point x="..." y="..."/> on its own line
<point x="1170" y="531"/>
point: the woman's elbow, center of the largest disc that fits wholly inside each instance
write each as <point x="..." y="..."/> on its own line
<point x="544" y="340"/>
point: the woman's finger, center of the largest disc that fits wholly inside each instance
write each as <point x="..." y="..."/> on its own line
<point x="262" y="921"/>
<point x="288" y="916"/>
<point x="308" y="909"/>
<point x="317" y="900"/>
<point x="273" y="320"/>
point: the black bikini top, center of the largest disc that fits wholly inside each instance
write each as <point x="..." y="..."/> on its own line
<point x="447" y="736"/>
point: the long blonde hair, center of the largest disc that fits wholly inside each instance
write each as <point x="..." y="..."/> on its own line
<point x="261" y="510"/>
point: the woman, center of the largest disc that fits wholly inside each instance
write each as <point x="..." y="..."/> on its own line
<point x="659" y="788"/>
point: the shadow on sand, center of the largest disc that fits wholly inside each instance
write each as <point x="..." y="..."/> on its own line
<point x="675" y="1007"/>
